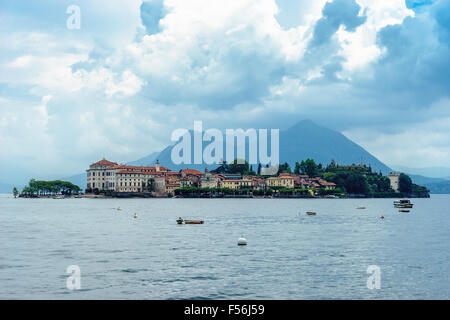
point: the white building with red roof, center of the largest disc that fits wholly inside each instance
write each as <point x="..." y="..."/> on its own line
<point x="110" y="176"/>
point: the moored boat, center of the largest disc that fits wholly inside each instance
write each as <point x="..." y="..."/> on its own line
<point x="311" y="213"/>
<point x="404" y="203"/>
<point x="193" y="221"/>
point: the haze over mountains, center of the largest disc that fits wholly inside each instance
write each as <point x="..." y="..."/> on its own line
<point x="304" y="140"/>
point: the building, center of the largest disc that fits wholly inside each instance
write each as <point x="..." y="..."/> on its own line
<point x="327" y="185"/>
<point x="98" y="177"/>
<point x="193" y="175"/>
<point x="284" y="181"/>
<point x="110" y="176"/>
<point x="237" y="184"/>
<point x="258" y="182"/>
<point x="209" y="180"/>
<point x="394" y="179"/>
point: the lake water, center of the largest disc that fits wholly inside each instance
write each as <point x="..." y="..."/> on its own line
<point x="288" y="256"/>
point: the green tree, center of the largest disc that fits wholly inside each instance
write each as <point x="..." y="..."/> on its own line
<point x="309" y="167"/>
<point x="238" y="166"/>
<point x="297" y="168"/>
<point x="284" y="168"/>
<point x="357" y="183"/>
<point x="15" y="192"/>
<point x="405" y="183"/>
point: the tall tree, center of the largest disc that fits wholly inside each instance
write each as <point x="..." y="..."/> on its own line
<point x="15" y="192"/>
<point x="405" y="183"/>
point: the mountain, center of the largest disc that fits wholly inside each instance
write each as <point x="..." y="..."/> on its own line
<point x="442" y="187"/>
<point x="309" y="140"/>
<point x="78" y="179"/>
<point x="433" y="172"/>
<point x="304" y="140"/>
<point x="421" y="180"/>
<point x="145" y="161"/>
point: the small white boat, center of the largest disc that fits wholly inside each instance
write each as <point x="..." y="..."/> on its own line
<point x="404" y="203"/>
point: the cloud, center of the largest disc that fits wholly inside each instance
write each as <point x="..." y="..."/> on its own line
<point x="345" y="13"/>
<point x="137" y="70"/>
<point x="152" y="11"/>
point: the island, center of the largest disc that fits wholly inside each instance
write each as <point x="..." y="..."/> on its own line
<point x="236" y="179"/>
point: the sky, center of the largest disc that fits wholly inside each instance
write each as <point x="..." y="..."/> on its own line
<point x="376" y="70"/>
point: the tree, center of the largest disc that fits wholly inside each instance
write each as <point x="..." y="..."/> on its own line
<point x="357" y="183"/>
<point x="15" y="192"/>
<point x="309" y="167"/>
<point x="284" y="168"/>
<point x="259" y="169"/>
<point x="240" y="166"/>
<point x="297" y="168"/>
<point x="405" y="183"/>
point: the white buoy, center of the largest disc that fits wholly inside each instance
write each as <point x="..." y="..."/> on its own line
<point x="242" y="241"/>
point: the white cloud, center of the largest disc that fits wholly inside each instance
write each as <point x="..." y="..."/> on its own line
<point x="111" y="89"/>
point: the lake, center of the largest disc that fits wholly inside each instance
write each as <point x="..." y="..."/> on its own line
<point x="289" y="255"/>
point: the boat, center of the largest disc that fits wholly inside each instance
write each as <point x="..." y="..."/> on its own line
<point x="180" y="220"/>
<point x="58" y="197"/>
<point x="361" y="208"/>
<point x="404" y="203"/>
<point x="193" y="221"/>
<point x="403" y="210"/>
<point x="310" y="213"/>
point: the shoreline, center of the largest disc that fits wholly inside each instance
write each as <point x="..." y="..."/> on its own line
<point x="249" y="196"/>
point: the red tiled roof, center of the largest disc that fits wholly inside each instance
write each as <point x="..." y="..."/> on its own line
<point x="103" y="162"/>
<point x="139" y="172"/>
<point x="137" y="168"/>
<point x="129" y="171"/>
<point x="118" y="166"/>
<point x="192" y="172"/>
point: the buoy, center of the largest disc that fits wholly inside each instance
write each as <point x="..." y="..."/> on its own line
<point x="119" y="209"/>
<point x="382" y="217"/>
<point x="135" y="216"/>
<point x="242" y="241"/>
